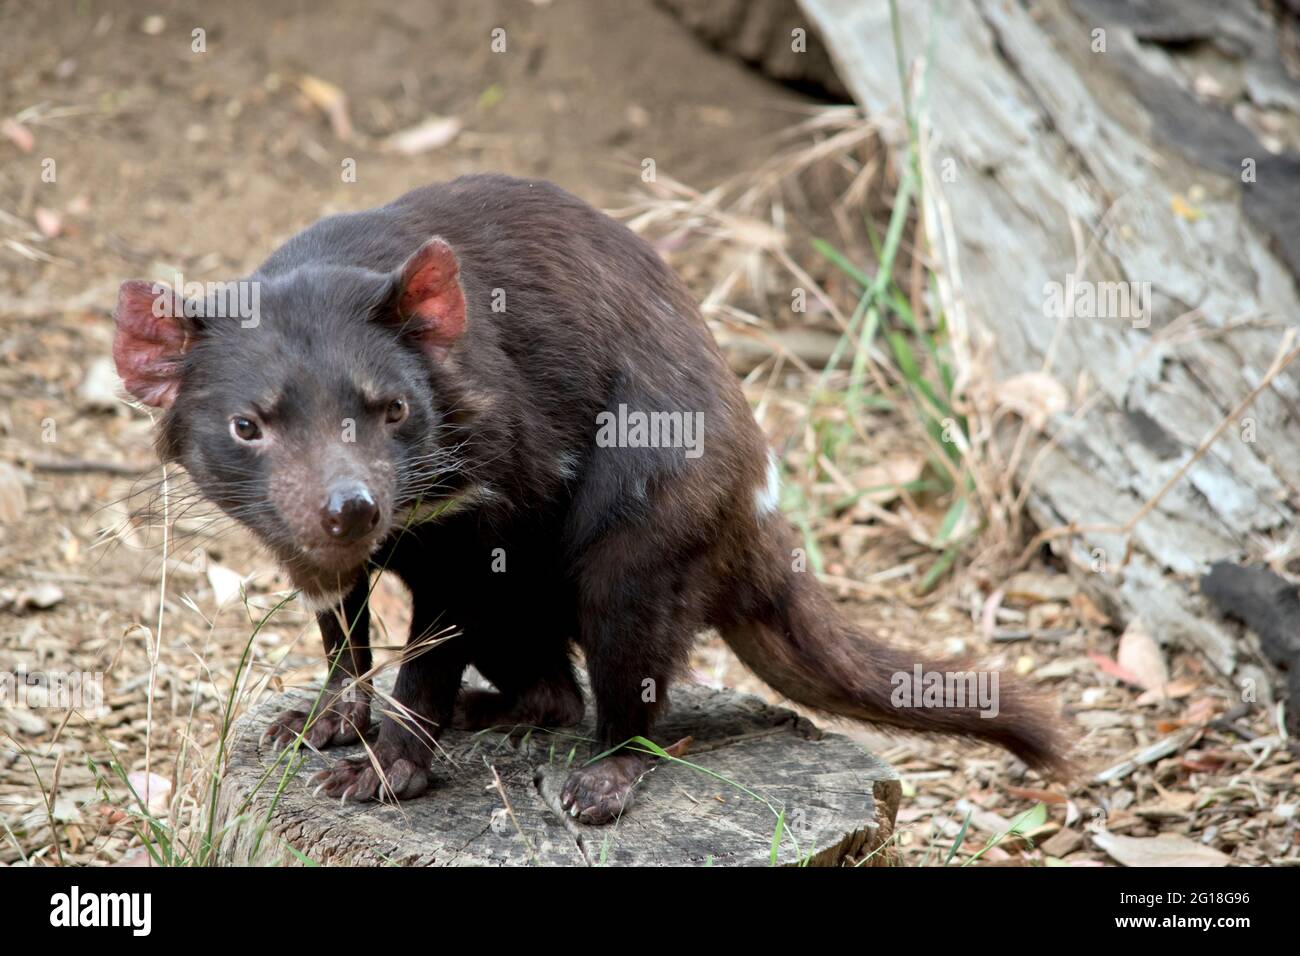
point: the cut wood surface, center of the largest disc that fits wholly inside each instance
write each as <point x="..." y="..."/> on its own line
<point x="839" y="802"/>
<point x="1048" y="158"/>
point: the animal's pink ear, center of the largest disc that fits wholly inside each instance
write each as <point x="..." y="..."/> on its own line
<point x="431" y="303"/>
<point x="152" y="336"/>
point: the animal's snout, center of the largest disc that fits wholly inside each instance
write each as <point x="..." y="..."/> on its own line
<point x="350" y="512"/>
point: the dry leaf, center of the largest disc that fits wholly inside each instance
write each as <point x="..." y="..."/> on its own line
<point x="1062" y="844"/>
<point x="49" y="222"/>
<point x="1207" y="763"/>
<point x="1107" y="666"/>
<point x="1168" y="849"/>
<point x="137" y="857"/>
<point x="1033" y="587"/>
<point x="1174" y="690"/>
<point x="1034" y="396"/>
<point x="1033" y="793"/>
<point x="331" y="101"/>
<point x="226" y="584"/>
<point x="881" y="481"/>
<point x="153" y="790"/>
<point x="18" y="134"/>
<point x="1178" y="799"/>
<point x="1140" y="655"/>
<point x="1201" y="710"/>
<point x="13" y="496"/>
<point x="39" y="596"/>
<point x="435" y="132"/>
<point x="65" y="810"/>
<point x="1061" y="667"/>
<point x="681" y="748"/>
<point x="989" y="613"/>
<point x="1087" y="611"/>
<point x="100" y="386"/>
<point x="1047" y="616"/>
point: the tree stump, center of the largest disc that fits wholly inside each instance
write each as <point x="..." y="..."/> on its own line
<point x="495" y="799"/>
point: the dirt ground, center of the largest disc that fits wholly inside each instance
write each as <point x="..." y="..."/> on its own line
<point x="169" y="160"/>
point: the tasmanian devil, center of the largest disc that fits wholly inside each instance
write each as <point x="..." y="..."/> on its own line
<point x="456" y="387"/>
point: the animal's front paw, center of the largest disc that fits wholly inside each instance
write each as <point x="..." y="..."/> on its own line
<point x="387" y="773"/>
<point x="336" y="724"/>
<point x="602" y="791"/>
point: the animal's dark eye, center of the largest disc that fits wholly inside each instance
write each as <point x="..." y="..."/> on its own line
<point x="244" y="429"/>
<point x="397" y="411"/>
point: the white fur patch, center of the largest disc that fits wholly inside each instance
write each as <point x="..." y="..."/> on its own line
<point x="567" y="466"/>
<point x="320" y="602"/>
<point x="767" y="497"/>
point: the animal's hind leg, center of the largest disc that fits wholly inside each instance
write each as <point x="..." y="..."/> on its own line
<point x="535" y="688"/>
<point x="525" y="623"/>
<point x="636" y="633"/>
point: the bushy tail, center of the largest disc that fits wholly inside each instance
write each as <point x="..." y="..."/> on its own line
<point x="803" y="647"/>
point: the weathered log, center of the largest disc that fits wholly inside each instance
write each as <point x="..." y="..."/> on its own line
<point x="771" y="35"/>
<point x="495" y="800"/>
<point x="1076" y="139"/>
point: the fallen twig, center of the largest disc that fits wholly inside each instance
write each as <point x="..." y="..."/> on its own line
<point x="71" y="466"/>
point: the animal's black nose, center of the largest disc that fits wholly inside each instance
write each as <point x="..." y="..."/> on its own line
<point x="350" y="513"/>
